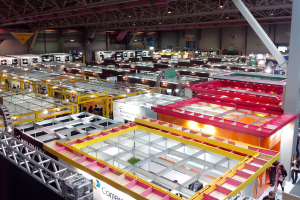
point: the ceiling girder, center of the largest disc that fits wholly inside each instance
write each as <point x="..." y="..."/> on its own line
<point x="132" y="13"/>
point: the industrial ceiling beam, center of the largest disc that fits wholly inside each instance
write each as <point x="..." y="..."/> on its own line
<point x="141" y="14"/>
<point x="78" y="10"/>
<point x="175" y="26"/>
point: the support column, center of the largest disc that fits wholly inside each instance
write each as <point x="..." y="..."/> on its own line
<point x="246" y="41"/>
<point x="220" y="39"/>
<point x="132" y="39"/>
<point x="292" y="94"/>
<point x="45" y="42"/>
<point x="261" y="33"/>
<point x="107" y="42"/>
<point x="33" y="40"/>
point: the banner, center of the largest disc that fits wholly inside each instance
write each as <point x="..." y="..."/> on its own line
<point x="3" y="62"/>
<point x="151" y="41"/>
<point x="128" y="112"/>
<point x="189" y="37"/>
<point x="22" y="37"/>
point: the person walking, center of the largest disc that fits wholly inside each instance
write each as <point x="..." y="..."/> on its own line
<point x="196" y="186"/>
<point x="295" y="168"/>
<point x="97" y="109"/>
<point x="272" y="174"/>
<point x="90" y="109"/>
<point x="271" y="196"/>
<point x="178" y="194"/>
<point x="95" y="112"/>
<point x="282" y="175"/>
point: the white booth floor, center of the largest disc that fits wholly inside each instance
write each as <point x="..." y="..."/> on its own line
<point x="162" y="160"/>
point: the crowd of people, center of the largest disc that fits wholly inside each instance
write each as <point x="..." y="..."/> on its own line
<point x="97" y="110"/>
<point x="282" y="174"/>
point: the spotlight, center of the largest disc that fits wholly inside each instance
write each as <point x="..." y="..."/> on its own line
<point x="169" y="10"/>
<point x="268" y="70"/>
<point x="221" y="4"/>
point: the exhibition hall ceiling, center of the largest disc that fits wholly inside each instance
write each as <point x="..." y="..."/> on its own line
<point x="144" y="14"/>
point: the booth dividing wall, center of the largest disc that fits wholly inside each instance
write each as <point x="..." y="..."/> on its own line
<point x="272" y="142"/>
<point x="123" y="111"/>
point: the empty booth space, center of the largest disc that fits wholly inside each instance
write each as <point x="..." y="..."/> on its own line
<point x="94" y="87"/>
<point x="66" y="128"/>
<point x="148" y="155"/>
<point x="26" y="107"/>
<point x="37" y="81"/>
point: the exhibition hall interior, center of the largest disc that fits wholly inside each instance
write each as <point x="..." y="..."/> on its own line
<point x="149" y="99"/>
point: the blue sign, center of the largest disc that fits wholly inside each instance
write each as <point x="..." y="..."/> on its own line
<point x="74" y="51"/>
<point x="137" y="48"/>
<point x="168" y="47"/>
<point x="151" y="41"/>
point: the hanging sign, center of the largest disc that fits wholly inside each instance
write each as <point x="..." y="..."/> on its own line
<point x="25" y="61"/>
<point x="253" y="61"/>
<point x="3" y="62"/>
<point x="151" y="41"/>
<point x="22" y="37"/>
<point x="189" y="37"/>
<point x="181" y="48"/>
<point x="170" y="73"/>
<point x="231" y="48"/>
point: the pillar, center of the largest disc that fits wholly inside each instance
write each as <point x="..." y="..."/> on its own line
<point x="292" y="94"/>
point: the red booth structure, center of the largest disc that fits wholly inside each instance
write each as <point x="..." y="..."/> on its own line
<point x="242" y="111"/>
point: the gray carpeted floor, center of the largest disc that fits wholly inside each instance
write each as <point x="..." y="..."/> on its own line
<point x="296" y="190"/>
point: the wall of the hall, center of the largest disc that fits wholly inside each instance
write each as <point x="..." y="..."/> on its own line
<point x="205" y="39"/>
<point x="220" y="38"/>
<point x="11" y="46"/>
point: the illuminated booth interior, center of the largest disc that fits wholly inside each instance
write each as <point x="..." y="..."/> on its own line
<point x="244" y="111"/>
<point x="100" y="71"/>
<point x="150" y="79"/>
<point x="56" y="65"/>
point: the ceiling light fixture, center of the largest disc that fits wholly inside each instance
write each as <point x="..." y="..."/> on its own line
<point x="221" y="4"/>
<point x="169" y="10"/>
